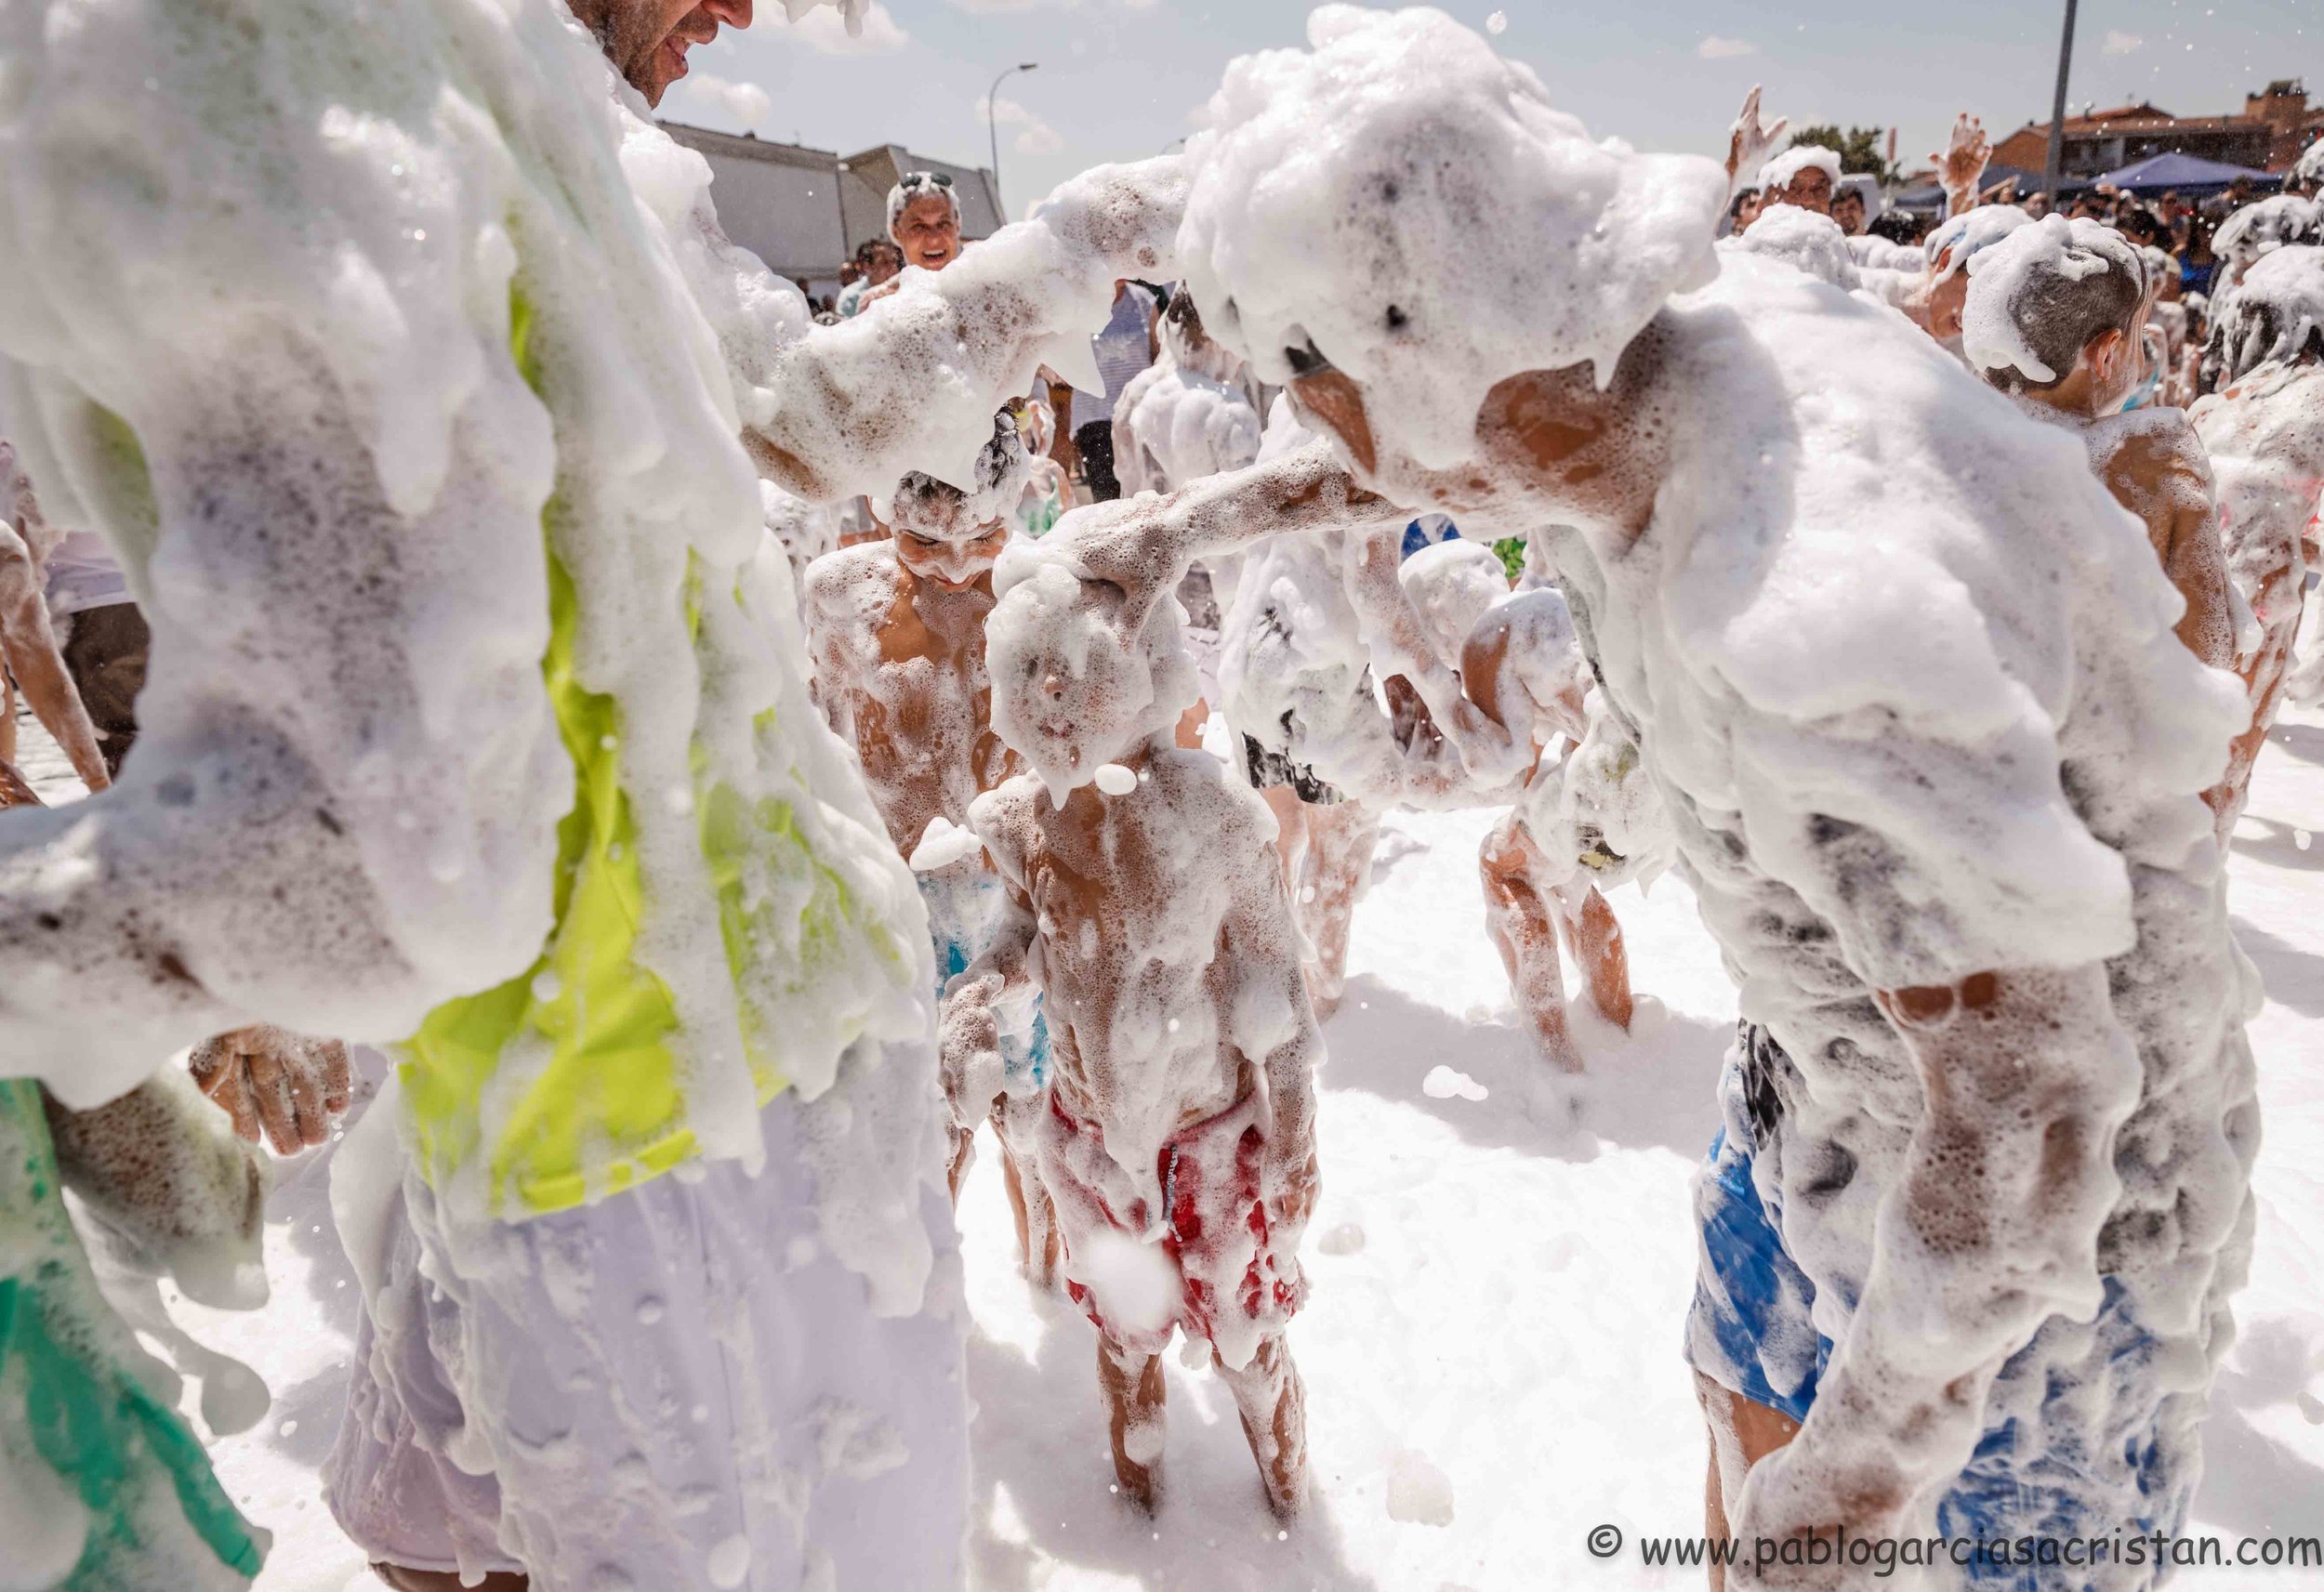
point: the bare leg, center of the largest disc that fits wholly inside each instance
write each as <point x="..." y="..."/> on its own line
<point x="1341" y="839"/>
<point x="1519" y="919"/>
<point x="404" y="1580"/>
<point x="1291" y="834"/>
<point x="963" y="1156"/>
<point x="1742" y="1433"/>
<point x="1013" y="1124"/>
<point x="1274" y="1405"/>
<point x="1133" y="1388"/>
<point x="1594" y="938"/>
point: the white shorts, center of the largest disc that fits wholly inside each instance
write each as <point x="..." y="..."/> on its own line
<point x="676" y="1389"/>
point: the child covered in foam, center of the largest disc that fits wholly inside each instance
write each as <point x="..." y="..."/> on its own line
<point x="2263" y="430"/>
<point x="1932" y="756"/>
<point x="1148" y="905"/>
<point x="896" y="630"/>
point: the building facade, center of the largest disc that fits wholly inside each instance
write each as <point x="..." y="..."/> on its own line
<point x="2267" y="135"/>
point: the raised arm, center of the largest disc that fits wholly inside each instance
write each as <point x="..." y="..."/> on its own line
<point x="1992" y="1227"/>
<point x="1144" y="544"/>
<point x="1749" y="144"/>
<point x="1962" y="163"/>
<point x="912" y="382"/>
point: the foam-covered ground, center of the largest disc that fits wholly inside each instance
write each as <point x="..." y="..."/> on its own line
<point x="1491" y="1353"/>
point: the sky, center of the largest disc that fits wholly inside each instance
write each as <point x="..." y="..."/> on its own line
<point x="1123" y="79"/>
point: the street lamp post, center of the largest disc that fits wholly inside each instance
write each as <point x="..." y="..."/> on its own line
<point x="2050" y="172"/>
<point x="992" y="124"/>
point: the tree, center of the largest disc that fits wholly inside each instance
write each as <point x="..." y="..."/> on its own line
<point x="1858" y="147"/>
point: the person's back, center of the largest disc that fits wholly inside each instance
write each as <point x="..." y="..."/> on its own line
<point x="1918" y="712"/>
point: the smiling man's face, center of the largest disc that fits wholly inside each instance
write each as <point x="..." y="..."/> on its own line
<point x="647" y="40"/>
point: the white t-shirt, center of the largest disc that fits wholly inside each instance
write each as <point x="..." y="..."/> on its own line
<point x="84" y="575"/>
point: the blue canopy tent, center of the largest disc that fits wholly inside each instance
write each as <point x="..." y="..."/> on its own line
<point x="2186" y="172"/>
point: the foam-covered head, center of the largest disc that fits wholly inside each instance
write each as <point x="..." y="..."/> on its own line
<point x="1963" y="237"/>
<point x="951" y="537"/>
<point x="2040" y="296"/>
<point x="1803" y="240"/>
<point x="1805" y="176"/>
<point x="2272" y="223"/>
<point x="1084" y="673"/>
<point x="1451" y="586"/>
<point x="2276" y="313"/>
<point x="2307" y="172"/>
<point x="1401" y="203"/>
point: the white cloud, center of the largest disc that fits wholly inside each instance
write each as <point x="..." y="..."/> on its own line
<point x="2120" y="43"/>
<point x="744" y="102"/>
<point x="824" y="31"/>
<point x="982" y="7"/>
<point x="1034" y="137"/>
<point x="1714" y="47"/>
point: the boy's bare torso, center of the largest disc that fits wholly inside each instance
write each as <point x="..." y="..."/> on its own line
<point x="900" y="667"/>
<point x="1142" y="901"/>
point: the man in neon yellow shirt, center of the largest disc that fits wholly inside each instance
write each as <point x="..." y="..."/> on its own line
<point x="406" y="366"/>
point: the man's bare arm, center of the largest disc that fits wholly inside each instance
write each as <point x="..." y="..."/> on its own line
<point x="29" y="647"/>
<point x="848" y="410"/>
<point x="1992" y="1227"/>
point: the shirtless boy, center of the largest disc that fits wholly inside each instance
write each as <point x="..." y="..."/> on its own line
<point x="1179" y="1142"/>
<point x="896" y="630"/>
<point x="2054" y="318"/>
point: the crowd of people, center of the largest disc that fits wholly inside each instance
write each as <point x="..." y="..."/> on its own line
<point x="732" y="752"/>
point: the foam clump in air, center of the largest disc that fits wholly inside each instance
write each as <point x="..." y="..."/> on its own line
<point x="2008" y="279"/>
<point x="1782" y="171"/>
<point x="1401" y="203"/>
<point x="1808" y="242"/>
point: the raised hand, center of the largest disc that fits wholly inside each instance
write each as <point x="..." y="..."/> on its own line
<point x="1962" y="162"/>
<point x="1749" y="144"/>
<point x="269" y="1080"/>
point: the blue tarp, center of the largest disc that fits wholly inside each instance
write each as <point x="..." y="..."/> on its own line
<point x="2174" y="170"/>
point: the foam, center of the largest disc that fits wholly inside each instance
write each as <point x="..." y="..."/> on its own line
<point x="1961" y="237"/>
<point x="1288" y="240"/>
<point x="2271" y="313"/>
<point x="1806" y="241"/>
